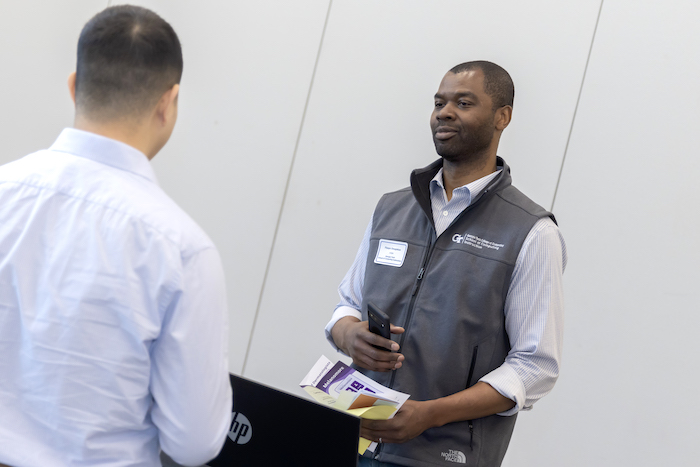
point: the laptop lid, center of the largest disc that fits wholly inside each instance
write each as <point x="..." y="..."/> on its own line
<point x="273" y="428"/>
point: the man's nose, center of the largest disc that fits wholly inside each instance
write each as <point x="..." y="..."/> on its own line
<point x="446" y="112"/>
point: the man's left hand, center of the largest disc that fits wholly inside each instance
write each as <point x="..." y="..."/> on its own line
<point x="410" y="421"/>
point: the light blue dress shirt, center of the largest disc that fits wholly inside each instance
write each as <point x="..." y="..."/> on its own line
<point x="534" y="308"/>
<point x="113" y="317"/>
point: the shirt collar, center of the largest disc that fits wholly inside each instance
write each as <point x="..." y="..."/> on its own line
<point x="471" y="190"/>
<point x="105" y="151"/>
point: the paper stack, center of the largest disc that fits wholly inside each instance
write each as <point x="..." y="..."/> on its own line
<point x="340" y="386"/>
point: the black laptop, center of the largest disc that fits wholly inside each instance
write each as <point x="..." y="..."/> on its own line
<point x="273" y="428"/>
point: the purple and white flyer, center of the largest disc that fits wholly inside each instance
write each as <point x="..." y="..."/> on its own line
<point x="338" y="385"/>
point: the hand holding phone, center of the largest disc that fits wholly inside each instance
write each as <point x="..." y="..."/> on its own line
<point x="378" y="323"/>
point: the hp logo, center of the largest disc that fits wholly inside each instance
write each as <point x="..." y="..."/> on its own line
<point x="240" y="430"/>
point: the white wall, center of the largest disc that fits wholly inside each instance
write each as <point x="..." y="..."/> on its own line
<point x="296" y="116"/>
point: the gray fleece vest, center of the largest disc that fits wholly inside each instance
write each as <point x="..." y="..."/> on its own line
<point x="449" y="294"/>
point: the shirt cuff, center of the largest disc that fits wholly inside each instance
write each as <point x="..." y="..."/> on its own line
<point x="506" y="381"/>
<point x="340" y="312"/>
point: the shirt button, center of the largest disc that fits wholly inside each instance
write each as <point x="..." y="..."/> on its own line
<point x="445" y="213"/>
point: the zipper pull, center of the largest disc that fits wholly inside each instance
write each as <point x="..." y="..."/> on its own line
<point x="420" y="276"/>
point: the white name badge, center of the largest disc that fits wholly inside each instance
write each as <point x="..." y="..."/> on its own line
<point x="391" y="253"/>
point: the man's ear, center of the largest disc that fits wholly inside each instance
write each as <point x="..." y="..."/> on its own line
<point x="168" y="104"/>
<point x="503" y="116"/>
<point x="71" y="86"/>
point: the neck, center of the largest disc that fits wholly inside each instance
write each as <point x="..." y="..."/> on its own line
<point x="458" y="173"/>
<point x="128" y="131"/>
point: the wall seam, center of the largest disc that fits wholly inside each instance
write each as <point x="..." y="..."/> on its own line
<point x="286" y="190"/>
<point x="578" y="100"/>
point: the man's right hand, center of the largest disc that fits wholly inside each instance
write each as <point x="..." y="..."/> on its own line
<point x="352" y="336"/>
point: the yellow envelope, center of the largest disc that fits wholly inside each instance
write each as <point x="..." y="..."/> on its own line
<point x="376" y="412"/>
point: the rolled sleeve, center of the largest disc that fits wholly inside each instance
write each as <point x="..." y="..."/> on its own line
<point x="339" y="313"/>
<point x="534" y="315"/>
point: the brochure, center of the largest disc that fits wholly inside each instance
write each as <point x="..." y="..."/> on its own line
<point x="340" y="386"/>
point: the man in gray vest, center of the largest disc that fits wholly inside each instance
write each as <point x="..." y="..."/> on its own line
<point x="469" y="271"/>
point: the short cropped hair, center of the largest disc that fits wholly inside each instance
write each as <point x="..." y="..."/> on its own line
<point x="497" y="82"/>
<point x="128" y="56"/>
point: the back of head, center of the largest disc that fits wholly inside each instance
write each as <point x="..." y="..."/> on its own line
<point x="497" y="82"/>
<point x="128" y="57"/>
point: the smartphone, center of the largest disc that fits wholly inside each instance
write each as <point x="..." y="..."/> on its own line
<point x="378" y="323"/>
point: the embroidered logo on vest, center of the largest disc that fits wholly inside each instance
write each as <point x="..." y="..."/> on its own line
<point x="476" y="242"/>
<point x="455" y="456"/>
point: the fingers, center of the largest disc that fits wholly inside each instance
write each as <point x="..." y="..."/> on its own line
<point x="377" y="360"/>
<point x="369" y="350"/>
<point x="396" y="329"/>
<point x="372" y="433"/>
<point x="381" y="429"/>
<point x="408" y="423"/>
<point x="379" y="341"/>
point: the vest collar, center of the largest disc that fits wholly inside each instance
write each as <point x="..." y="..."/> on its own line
<point x="420" y="184"/>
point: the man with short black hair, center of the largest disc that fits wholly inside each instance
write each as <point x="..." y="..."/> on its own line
<point x="469" y="271"/>
<point x="113" y="317"/>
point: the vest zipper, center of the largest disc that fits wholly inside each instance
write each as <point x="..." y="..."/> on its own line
<point x="471" y="435"/>
<point x="419" y="278"/>
<point x="472" y="365"/>
<point x="469" y="380"/>
<point x="411" y="304"/>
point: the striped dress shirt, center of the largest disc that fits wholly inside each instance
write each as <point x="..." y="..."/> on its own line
<point x="534" y="307"/>
<point x="113" y="317"/>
